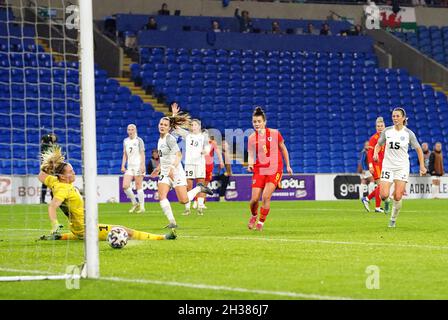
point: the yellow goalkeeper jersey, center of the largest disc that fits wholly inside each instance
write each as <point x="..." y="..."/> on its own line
<point x="72" y="203"/>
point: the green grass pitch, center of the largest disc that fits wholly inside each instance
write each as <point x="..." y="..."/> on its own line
<point x="308" y="250"/>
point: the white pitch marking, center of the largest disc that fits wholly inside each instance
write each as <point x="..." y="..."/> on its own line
<point x="323" y="242"/>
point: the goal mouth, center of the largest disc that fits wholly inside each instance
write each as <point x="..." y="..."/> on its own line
<point x="47" y="97"/>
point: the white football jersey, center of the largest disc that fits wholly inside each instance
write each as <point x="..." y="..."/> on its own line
<point x="133" y="147"/>
<point x="195" y="144"/>
<point x="396" y="155"/>
<point x="167" y="148"/>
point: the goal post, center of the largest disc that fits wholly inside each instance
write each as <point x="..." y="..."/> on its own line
<point x="47" y="85"/>
<point x="87" y="74"/>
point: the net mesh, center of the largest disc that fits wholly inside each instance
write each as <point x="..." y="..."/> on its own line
<point x="39" y="95"/>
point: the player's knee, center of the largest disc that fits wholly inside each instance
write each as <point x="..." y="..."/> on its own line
<point x="266" y="201"/>
<point x="398" y="196"/>
<point x="253" y="202"/>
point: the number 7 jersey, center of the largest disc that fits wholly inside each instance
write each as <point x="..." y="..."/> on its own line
<point x="397" y="143"/>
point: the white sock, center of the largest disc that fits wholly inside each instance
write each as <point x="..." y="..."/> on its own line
<point x="435" y="190"/>
<point x="166" y="207"/>
<point x="200" y="202"/>
<point x="141" y="198"/>
<point x="396" y="210"/>
<point x="130" y="195"/>
<point x="188" y="205"/>
<point x="372" y="186"/>
<point x="193" y="193"/>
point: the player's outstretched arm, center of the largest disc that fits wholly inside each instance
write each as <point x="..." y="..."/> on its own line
<point x="285" y="154"/>
<point x="175" y="108"/>
<point x="52" y="215"/>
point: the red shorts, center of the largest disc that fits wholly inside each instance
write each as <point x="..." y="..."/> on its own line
<point x="377" y="171"/>
<point x="259" y="181"/>
<point x="208" y="173"/>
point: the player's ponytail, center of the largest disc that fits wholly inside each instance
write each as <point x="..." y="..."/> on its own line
<point x="181" y="120"/>
<point x="403" y="113"/>
<point x="53" y="161"/>
<point x="258" y="112"/>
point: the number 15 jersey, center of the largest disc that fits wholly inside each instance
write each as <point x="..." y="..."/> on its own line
<point x="396" y="144"/>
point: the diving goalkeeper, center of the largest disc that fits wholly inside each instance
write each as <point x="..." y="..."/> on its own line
<point x="59" y="176"/>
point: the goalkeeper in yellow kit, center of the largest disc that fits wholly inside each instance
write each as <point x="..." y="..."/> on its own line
<point x="59" y="176"/>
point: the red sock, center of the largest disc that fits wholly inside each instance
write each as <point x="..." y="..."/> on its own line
<point x="377" y="197"/>
<point x="263" y="214"/>
<point x="372" y="194"/>
<point x="254" y="208"/>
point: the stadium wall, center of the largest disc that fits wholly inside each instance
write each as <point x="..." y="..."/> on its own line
<point x="103" y="8"/>
<point x="409" y="58"/>
<point x="26" y="189"/>
<point x="108" y="55"/>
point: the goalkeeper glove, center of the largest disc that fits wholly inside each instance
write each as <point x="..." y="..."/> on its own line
<point x="54" y="236"/>
<point x="56" y="228"/>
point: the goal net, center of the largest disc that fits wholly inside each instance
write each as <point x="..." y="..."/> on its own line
<point x="41" y="76"/>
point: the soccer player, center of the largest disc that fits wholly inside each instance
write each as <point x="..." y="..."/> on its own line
<point x="134" y="156"/>
<point x="265" y="149"/>
<point x="59" y="176"/>
<point x="375" y="167"/>
<point x="196" y="147"/>
<point x="170" y="171"/>
<point x="396" y="166"/>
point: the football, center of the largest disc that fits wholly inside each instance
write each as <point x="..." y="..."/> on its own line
<point x="117" y="237"/>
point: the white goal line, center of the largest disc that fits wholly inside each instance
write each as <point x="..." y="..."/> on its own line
<point x="198" y="286"/>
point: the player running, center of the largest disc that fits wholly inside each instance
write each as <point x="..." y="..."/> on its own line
<point x="375" y="167"/>
<point x="170" y="171"/>
<point x="396" y="166"/>
<point x="134" y="156"/>
<point x="59" y="176"/>
<point x="265" y="149"/>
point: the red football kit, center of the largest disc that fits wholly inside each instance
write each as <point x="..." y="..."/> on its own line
<point x="377" y="166"/>
<point x="209" y="161"/>
<point x="268" y="166"/>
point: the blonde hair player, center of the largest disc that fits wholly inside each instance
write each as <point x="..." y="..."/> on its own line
<point x="59" y="176"/>
<point x="196" y="147"/>
<point x="396" y="166"/>
<point x="134" y="157"/>
<point x="170" y="171"/>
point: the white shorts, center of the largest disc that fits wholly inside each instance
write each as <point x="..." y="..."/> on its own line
<point x="133" y="171"/>
<point x="366" y="174"/>
<point x="390" y="175"/>
<point x="178" y="181"/>
<point x="193" y="171"/>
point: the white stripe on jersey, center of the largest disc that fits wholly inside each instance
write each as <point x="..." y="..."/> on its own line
<point x="133" y="147"/>
<point x="397" y="143"/>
